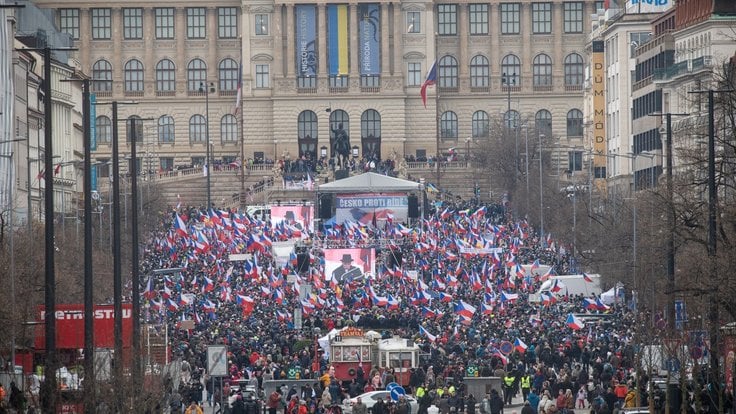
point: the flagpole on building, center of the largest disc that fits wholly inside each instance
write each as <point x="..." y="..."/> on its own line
<point x="241" y="199"/>
<point x="437" y="98"/>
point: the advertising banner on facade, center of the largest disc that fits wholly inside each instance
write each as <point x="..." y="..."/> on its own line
<point x="370" y="39"/>
<point x="292" y="220"/>
<point x="337" y="39"/>
<point x="371" y="208"/>
<point x="306" y="40"/>
<point x="70" y="326"/>
<point x="347" y="265"/>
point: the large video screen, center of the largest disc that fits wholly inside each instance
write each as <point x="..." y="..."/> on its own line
<point x="349" y="265"/>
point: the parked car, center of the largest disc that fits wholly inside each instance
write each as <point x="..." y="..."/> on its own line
<point x="370" y="398"/>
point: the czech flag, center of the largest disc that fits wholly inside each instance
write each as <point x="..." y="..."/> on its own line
<point x="179" y="226"/>
<point x="519" y="345"/>
<point x="587" y="278"/>
<point x="509" y="296"/>
<point x="486" y="309"/>
<point x="465" y="309"/>
<point x="431" y="79"/>
<point x="557" y="286"/>
<point x="426" y="333"/>
<point x="590" y="304"/>
<point x="574" y="322"/>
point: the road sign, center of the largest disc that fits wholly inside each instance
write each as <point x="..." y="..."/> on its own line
<point x="217" y="360"/>
<point x="391" y="385"/>
<point x="397" y="392"/>
<point x="506" y="347"/>
<point x="673" y="365"/>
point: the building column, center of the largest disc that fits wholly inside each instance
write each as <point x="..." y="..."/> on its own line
<point x="117" y="45"/>
<point x="397" y="69"/>
<point x="385" y="47"/>
<point x="557" y="28"/>
<point x="181" y="69"/>
<point x="494" y="30"/>
<point x="246" y="34"/>
<point x="526" y="49"/>
<point x="321" y="41"/>
<point x="462" y="28"/>
<point x="85" y="27"/>
<point x="212" y="64"/>
<point x="149" y="25"/>
<point x="278" y="43"/>
<point x="354" y="43"/>
<point x="290" y="51"/>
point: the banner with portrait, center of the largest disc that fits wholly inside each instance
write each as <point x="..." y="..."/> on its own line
<point x="292" y="220"/>
<point x="306" y="40"/>
<point x="373" y="209"/>
<point x="348" y="265"/>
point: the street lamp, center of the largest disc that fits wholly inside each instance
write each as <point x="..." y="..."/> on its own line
<point x="207" y="164"/>
<point x="541" y="194"/>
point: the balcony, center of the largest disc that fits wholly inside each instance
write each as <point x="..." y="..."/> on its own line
<point x="682" y="68"/>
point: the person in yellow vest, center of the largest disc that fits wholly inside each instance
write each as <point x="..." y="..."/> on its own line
<point x="526" y="384"/>
<point x="508" y="387"/>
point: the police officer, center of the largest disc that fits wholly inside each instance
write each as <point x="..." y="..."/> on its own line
<point x="508" y="387"/>
<point x="526" y="384"/>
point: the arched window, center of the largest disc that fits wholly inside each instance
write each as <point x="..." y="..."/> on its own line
<point x="479" y="72"/>
<point x="228" y="74"/>
<point x="197" y="129"/>
<point x="511" y="119"/>
<point x="370" y="134"/>
<point x="574" y="123"/>
<point x="137" y="122"/>
<point x="196" y="74"/>
<point x="165" y="129"/>
<point x="103" y="129"/>
<point x="102" y="76"/>
<point x="510" y="70"/>
<point x="574" y="70"/>
<point x="134" y="76"/>
<point x="542" y="70"/>
<point x="307" y="134"/>
<point x="228" y="129"/>
<point x="447" y="72"/>
<point x="165" y="76"/>
<point x="481" y="124"/>
<point x="543" y="122"/>
<point x="448" y="126"/>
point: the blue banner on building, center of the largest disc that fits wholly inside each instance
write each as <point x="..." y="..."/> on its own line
<point x="370" y="39"/>
<point x="93" y="135"/>
<point x="306" y="40"/>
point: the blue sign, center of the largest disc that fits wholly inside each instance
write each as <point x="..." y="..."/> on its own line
<point x="370" y="35"/>
<point x="397" y="392"/>
<point x="652" y="2"/>
<point x="391" y="385"/>
<point x="680" y="314"/>
<point x="673" y="365"/>
<point x="306" y="40"/>
<point x="93" y="136"/>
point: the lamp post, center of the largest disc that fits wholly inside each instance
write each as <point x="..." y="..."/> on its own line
<point x="207" y="89"/>
<point x="508" y="81"/>
<point x="541" y="194"/>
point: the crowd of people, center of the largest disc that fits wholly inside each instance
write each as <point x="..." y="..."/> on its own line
<point x="462" y="310"/>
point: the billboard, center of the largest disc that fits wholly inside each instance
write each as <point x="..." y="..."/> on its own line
<point x="70" y="326"/>
<point x="371" y="208"/>
<point x="293" y="218"/>
<point x="306" y="40"/>
<point x="347" y="265"/>
<point x="598" y="83"/>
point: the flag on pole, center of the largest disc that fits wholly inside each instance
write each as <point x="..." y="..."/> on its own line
<point x="426" y="333"/>
<point x="574" y="322"/>
<point x="239" y="95"/>
<point x="431" y="79"/>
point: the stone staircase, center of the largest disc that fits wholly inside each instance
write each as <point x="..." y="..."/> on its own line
<point x="189" y="187"/>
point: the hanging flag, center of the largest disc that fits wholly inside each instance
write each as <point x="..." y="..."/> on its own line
<point x="57" y="170"/>
<point x="519" y="345"/>
<point x="431" y="79"/>
<point x="239" y="95"/>
<point x="587" y="278"/>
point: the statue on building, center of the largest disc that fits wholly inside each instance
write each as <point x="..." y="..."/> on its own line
<point x="340" y="145"/>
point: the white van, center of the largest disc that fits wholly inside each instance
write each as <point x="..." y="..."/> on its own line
<point x="259" y="212"/>
<point x="570" y="285"/>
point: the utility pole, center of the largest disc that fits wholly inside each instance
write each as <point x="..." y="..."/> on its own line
<point x="89" y="333"/>
<point x="135" y="277"/>
<point x="117" y="281"/>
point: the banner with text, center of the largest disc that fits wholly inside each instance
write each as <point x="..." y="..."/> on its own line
<point x="306" y="40"/>
<point x="371" y="208"/>
<point x="337" y="39"/>
<point x="370" y="39"/>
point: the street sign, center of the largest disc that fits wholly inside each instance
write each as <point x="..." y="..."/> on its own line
<point x="506" y="347"/>
<point x="217" y="360"/>
<point x="673" y="365"/>
<point x="391" y="385"/>
<point x="397" y="392"/>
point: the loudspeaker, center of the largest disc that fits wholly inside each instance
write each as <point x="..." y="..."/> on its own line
<point x="302" y="262"/>
<point x="413" y="206"/>
<point x="325" y="207"/>
<point x="340" y="174"/>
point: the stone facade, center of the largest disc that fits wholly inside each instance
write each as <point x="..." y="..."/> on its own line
<point x="273" y="101"/>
